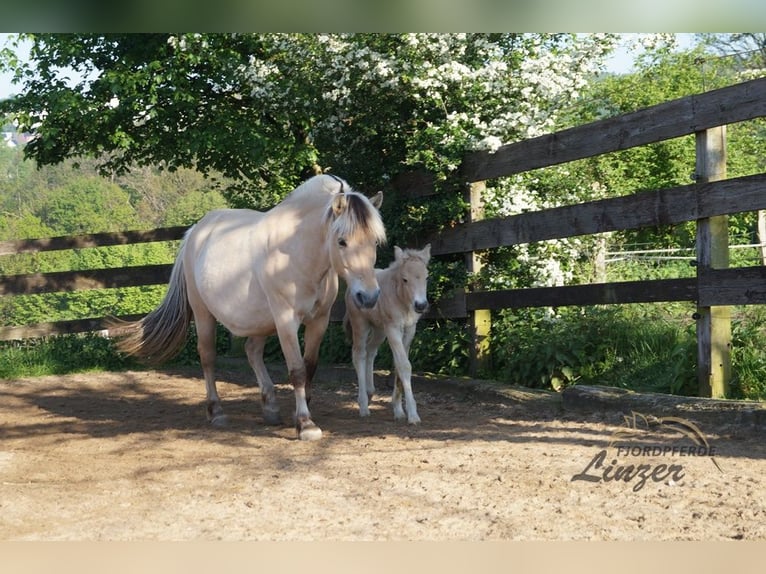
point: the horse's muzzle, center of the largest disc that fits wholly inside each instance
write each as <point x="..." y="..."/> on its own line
<point x="366" y="300"/>
<point x="420" y="306"/>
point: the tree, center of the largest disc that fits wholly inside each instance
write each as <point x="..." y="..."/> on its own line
<point x="747" y="51"/>
<point x="269" y="109"/>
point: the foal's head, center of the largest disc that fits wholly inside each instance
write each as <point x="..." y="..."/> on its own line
<point x="356" y="230"/>
<point x="412" y="276"/>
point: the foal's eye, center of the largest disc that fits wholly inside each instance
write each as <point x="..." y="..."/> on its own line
<point x="342" y="242"/>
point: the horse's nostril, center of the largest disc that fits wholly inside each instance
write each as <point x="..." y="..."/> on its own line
<point x="421" y="306"/>
<point x="372" y="299"/>
<point x="366" y="301"/>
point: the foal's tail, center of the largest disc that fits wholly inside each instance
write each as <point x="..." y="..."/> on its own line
<point x="161" y="334"/>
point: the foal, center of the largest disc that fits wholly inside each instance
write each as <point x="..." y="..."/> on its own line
<point x="401" y="302"/>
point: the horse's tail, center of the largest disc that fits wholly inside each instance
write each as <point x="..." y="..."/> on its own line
<point x="160" y="335"/>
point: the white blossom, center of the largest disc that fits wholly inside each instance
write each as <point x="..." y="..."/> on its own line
<point x="463" y="92"/>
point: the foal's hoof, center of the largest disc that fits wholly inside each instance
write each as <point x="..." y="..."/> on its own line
<point x="219" y="421"/>
<point x="308" y="431"/>
<point x="272" y="418"/>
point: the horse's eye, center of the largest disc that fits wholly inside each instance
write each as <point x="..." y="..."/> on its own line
<point x="405" y="280"/>
<point x="342" y="242"/>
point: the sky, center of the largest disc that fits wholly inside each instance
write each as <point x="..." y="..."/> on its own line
<point x="620" y="62"/>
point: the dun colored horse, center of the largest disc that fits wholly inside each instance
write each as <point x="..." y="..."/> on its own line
<point x="401" y="303"/>
<point x="264" y="273"/>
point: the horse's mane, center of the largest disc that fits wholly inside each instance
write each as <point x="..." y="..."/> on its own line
<point x="360" y="216"/>
<point x="322" y="186"/>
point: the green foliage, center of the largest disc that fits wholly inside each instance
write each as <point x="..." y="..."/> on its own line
<point x="88" y="205"/>
<point x="640" y="347"/>
<point x="748" y="353"/>
<point x="632" y="346"/>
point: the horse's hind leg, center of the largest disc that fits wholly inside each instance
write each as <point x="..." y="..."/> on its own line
<point x="205" y="324"/>
<point x="254" y="348"/>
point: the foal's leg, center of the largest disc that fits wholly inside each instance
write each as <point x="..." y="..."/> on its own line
<point x="205" y="325"/>
<point x="359" y="358"/>
<point x="400" y="344"/>
<point x="296" y="368"/>
<point x="375" y="339"/>
<point x="254" y="349"/>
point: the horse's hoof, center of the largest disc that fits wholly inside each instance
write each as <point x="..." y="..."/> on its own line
<point x="219" y="421"/>
<point x="309" y="431"/>
<point x="414" y="420"/>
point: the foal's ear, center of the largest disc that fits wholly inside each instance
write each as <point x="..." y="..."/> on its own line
<point x="339" y="203"/>
<point x="377" y="200"/>
<point x="398" y="253"/>
<point x="425" y="253"/>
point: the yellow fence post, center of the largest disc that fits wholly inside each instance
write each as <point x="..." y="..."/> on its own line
<point x="713" y="323"/>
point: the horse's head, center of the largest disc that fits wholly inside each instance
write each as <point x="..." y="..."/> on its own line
<point x="356" y="230"/>
<point x="413" y="276"/>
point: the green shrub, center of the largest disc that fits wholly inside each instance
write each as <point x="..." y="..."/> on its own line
<point x="632" y="346"/>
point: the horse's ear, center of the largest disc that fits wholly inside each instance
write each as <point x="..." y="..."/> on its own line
<point x="377" y="200"/>
<point x="339" y="202"/>
<point x="398" y="253"/>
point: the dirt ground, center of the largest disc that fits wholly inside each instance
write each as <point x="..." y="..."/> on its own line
<point x="130" y="456"/>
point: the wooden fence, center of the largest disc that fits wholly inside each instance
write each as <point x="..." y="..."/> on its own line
<point x="707" y="201"/>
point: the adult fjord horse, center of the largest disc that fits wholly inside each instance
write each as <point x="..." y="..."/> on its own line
<point x="264" y="273"/>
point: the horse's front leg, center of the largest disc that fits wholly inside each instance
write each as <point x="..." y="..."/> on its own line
<point x="254" y="348"/>
<point x="298" y="377"/>
<point x="399" y="342"/>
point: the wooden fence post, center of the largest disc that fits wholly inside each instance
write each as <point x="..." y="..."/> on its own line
<point x="480" y="319"/>
<point x="714" y="323"/>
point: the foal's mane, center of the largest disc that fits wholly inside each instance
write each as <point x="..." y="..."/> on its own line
<point x="407" y="254"/>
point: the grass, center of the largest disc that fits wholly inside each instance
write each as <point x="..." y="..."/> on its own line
<point x="59" y="355"/>
<point x="640" y="347"/>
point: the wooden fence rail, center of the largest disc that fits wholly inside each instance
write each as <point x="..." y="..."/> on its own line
<point x="711" y="198"/>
